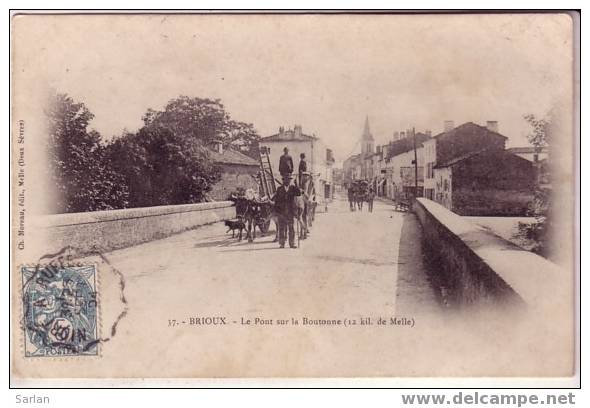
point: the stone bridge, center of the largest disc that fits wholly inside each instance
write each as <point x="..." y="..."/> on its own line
<point x="419" y="271"/>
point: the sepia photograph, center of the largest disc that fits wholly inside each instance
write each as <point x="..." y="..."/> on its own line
<point x="293" y="195"/>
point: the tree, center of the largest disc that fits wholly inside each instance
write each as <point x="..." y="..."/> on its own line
<point x="205" y="120"/>
<point x="539" y="135"/>
<point x="538" y="231"/>
<point x="162" y="168"/>
<point x="76" y="160"/>
<point x="243" y="137"/>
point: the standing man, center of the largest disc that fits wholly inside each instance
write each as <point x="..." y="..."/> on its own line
<point x="285" y="208"/>
<point x="370" y="198"/>
<point x="351" y="196"/>
<point x="285" y="163"/>
<point x="302" y="169"/>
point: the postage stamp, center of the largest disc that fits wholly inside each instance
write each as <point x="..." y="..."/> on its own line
<point x="60" y="310"/>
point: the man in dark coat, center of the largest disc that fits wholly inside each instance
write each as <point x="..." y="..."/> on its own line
<point x="370" y="198"/>
<point x="285" y="209"/>
<point x="302" y="166"/>
<point x="285" y="163"/>
<point x="351" y="196"/>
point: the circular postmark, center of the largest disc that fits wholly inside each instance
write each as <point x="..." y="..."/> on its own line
<point x="60" y="310"/>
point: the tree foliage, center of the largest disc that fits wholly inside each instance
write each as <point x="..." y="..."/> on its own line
<point x="539" y="135"/>
<point x="538" y="230"/>
<point x="78" y="172"/>
<point x="166" y="162"/>
<point x="162" y="168"/>
<point x="206" y="121"/>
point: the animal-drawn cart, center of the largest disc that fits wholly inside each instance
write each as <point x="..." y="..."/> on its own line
<point x="360" y="190"/>
<point x="254" y="212"/>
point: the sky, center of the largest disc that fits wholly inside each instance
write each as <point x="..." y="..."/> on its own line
<point x="325" y="72"/>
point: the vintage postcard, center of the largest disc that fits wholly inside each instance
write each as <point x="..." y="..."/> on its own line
<point x="317" y="195"/>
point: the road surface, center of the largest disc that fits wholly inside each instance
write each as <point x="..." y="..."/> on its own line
<point x="201" y="304"/>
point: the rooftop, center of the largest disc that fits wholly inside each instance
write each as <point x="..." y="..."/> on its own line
<point x="468" y="127"/>
<point x="466" y="156"/>
<point x="231" y="156"/>
<point x="527" y="149"/>
<point x="405" y="145"/>
<point x="295" y="134"/>
<point x="458" y="159"/>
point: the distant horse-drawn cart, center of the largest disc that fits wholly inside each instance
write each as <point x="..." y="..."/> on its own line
<point x="403" y="201"/>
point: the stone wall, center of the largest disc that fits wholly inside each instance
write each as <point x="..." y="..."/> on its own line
<point x="474" y="265"/>
<point x="104" y="231"/>
<point x="233" y="177"/>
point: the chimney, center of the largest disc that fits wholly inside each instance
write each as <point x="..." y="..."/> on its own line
<point x="402" y="135"/>
<point x="219" y="147"/>
<point x="428" y="132"/>
<point x="492" y="125"/>
<point x="449" y="125"/>
<point x="281" y="130"/>
<point x="396" y="135"/>
<point x="297" y="131"/>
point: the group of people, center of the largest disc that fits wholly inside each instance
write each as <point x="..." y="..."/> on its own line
<point x="360" y="191"/>
<point x="285" y="197"/>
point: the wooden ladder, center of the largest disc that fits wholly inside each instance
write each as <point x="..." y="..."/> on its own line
<point x="267" y="179"/>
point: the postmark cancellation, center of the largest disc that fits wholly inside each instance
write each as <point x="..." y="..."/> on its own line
<point x="60" y="310"/>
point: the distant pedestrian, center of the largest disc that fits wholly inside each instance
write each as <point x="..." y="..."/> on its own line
<point x="351" y="197"/>
<point x="285" y="163"/>
<point x="370" y="198"/>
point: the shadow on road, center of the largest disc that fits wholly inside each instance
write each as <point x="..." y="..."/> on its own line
<point x="417" y="283"/>
<point x="255" y="249"/>
<point x="346" y="259"/>
<point x="229" y="241"/>
<point x="218" y="243"/>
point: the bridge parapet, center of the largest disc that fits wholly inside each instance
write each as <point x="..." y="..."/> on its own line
<point x="112" y="229"/>
<point x="475" y="265"/>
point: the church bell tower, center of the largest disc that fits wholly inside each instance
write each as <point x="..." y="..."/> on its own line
<point x="367" y="141"/>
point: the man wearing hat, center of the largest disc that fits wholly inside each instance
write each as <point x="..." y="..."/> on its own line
<point x="284" y="200"/>
<point x="285" y="163"/>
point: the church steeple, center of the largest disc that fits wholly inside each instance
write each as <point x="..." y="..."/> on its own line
<point x="367" y="141"/>
<point x="367" y="130"/>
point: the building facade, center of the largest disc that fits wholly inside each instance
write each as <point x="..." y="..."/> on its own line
<point x="455" y="142"/>
<point x="403" y="173"/>
<point x="388" y="168"/>
<point x="320" y="159"/>
<point x="400" y="171"/>
<point x="489" y="182"/>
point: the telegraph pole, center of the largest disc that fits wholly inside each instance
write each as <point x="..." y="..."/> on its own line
<point x="415" y="164"/>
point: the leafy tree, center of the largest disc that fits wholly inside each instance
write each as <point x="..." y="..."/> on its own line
<point x="243" y="137"/>
<point x="165" y="163"/>
<point x="162" y="168"/>
<point x="538" y="231"/>
<point x="205" y="120"/>
<point x="76" y="160"/>
<point x="539" y="135"/>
